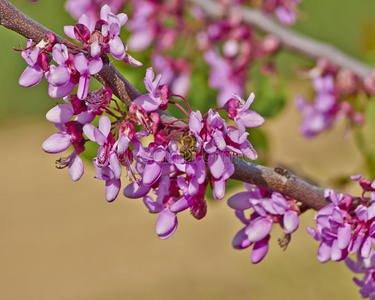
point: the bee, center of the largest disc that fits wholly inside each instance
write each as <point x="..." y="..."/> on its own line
<point x="189" y="148"/>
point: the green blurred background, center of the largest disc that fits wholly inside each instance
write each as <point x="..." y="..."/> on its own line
<point x="61" y="240"/>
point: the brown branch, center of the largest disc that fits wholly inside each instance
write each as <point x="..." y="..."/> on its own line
<point x="289" y="39"/>
<point x="291" y="186"/>
<point x="285" y="183"/>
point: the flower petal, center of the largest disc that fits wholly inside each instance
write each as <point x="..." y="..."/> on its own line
<point x="166" y="224"/>
<point x="56" y="143"/>
<point x="75" y="167"/>
<point x="259" y="228"/>
<point x="260" y="250"/>
<point x="112" y="188"/>
<point x="136" y="190"/>
<point x="290" y="221"/>
<point x="61" y="113"/>
<point x="240" y="240"/>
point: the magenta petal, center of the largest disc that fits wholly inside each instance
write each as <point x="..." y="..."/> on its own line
<point x="193" y="188"/>
<point x="216" y="164"/>
<point x="290" y="221"/>
<point x="181" y="205"/>
<point x="99" y="137"/>
<point x="83" y="87"/>
<point x="69" y="32"/>
<point x="251" y="119"/>
<point x="149" y="78"/>
<point x="60" y="53"/>
<point x="147" y="102"/>
<point x="371" y="211"/>
<point x="200" y="171"/>
<point x="122" y="144"/>
<point x="31" y="76"/>
<point x="260" y="250"/>
<point x="239" y="201"/>
<point x="248" y="102"/>
<point x="219" y="189"/>
<point x="259" y="228"/>
<point x="115" y="165"/>
<point x="366" y="247"/>
<point x="112" y="188"/>
<point x="355" y="243"/>
<point x="248" y="150"/>
<point x="153" y="207"/>
<point x="195" y="122"/>
<point x="31" y="57"/>
<point x="61" y="91"/>
<point x="61" y="113"/>
<point x="104" y="11"/>
<point x="240" y="240"/>
<point x="134" y="190"/>
<point x="88" y="130"/>
<point x="59" y="76"/>
<point x="166" y="224"/>
<point x="362" y="213"/>
<point x="352" y="265"/>
<point x="95" y="49"/>
<point x="324" y="252"/>
<point x="279" y="203"/>
<point x="344" y="234"/>
<point x="75" y="167"/>
<point x="314" y="233"/>
<point x="95" y="65"/>
<point x="105" y="125"/>
<point x="336" y="253"/>
<point x="85" y="117"/>
<point x="80" y="62"/>
<point x="117" y="48"/>
<point x="123" y="18"/>
<point x="132" y="61"/>
<point x="151" y="173"/>
<point x="56" y="143"/>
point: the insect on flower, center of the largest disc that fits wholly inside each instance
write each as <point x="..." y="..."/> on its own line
<point x="189" y="148"/>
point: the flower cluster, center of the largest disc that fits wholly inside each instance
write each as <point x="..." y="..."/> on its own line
<point x="268" y="208"/>
<point x="346" y="226"/>
<point x="229" y="46"/>
<point x="74" y="66"/>
<point x="333" y="101"/>
<point x="178" y="175"/>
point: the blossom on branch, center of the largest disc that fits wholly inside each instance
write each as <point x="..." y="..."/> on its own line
<point x="346" y="226"/>
<point x="268" y="208"/>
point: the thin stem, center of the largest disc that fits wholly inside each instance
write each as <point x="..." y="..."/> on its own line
<point x="177" y="131"/>
<point x="187" y="103"/>
<point x="180" y="107"/>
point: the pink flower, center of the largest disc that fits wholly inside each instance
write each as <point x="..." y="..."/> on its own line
<point x="269" y="208"/>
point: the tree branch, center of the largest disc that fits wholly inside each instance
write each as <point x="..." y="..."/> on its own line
<point x="289" y="39"/>
<point x="287" y="184"/>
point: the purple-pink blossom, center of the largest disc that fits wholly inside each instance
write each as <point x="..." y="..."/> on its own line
<point x="346" y="225"/>
<point x="268" y="208"/>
